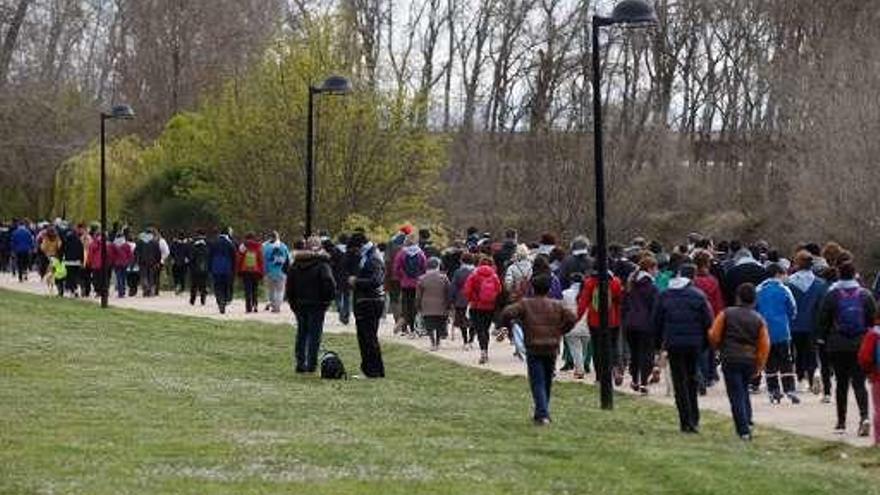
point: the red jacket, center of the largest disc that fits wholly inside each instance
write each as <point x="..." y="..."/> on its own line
<point x="120" y="255"/>
<point x="585" y="302"/>
<point x="253" y="249"/>
<point x="93" y="254"/>
<point x="710" y="286"/>
<point x="867" y="353"/>
<point x="473" y="288"/>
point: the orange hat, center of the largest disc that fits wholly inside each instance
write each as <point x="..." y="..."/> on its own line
<point x="407" y="229"/>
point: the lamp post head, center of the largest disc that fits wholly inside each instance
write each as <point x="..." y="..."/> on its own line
<point x="336" y="85"/>
<point x="122" y="112"/>
<point x="634" y="13"/>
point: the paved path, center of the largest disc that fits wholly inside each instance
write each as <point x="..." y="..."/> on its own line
<point x="811" y="417"/>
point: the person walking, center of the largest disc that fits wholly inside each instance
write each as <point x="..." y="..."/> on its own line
<point x="249" y="266"/>
<point x="199" y="266"/>
<point x="869" y="361"/>
<point x="578" y="261"/>
<point x="310" y="289"/>
<point x="222" y="254"/>
<point x="578" y="339"/>
<point x="847" y="312"/>
<point x="120" y="257"/>
<point x="23" y="244"/>
<point x="368" y="284"/>
<point x="482" y="290"/>
<point x="459" y="300"/>
<point x="340" y="260"/>
<point x="638" y="325"/>
<point x="740" y="334"/>
<point x="432" y="302"/>
<point x="392" y="283"/>
<point x="149" y="260"/>
<point x="711" y="287"/>
<point x="808" y="291"/>
<point x="682" y="316"/>
<point x="276" y="257"/>
<point x="777" y="306"/>
<point x="164" y="254"/>
<point x="410" y="264"/>
<point x="74" y="254"/>
<point x="588" y="304"/>
<point x="180" y="258"/>
<point x="544" y="322"/>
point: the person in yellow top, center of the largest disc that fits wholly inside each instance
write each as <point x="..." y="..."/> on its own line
<point x="50" y="246"/>
<point x="741" y="336"/>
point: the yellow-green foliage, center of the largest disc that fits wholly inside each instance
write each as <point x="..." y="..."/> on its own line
<point x="244" y="152"/>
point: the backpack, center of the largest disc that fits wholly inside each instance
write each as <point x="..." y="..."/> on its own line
<point x="332" y="367"/>
<point x="250" y="260"/>
<point x="200" y="258"/>
<point x="850" y="314"/>
<point x="278" y="258"/>
<point x="412" y="265"/>
<point x="488" y="293"/>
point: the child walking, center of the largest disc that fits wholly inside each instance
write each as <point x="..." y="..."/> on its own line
<point x="869" y="353"/>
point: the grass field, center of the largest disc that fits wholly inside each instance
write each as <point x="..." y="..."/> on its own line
<point x="114" y="402"/>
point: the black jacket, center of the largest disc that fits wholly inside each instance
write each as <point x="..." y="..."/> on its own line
<point x="369" y="285"/>
<point x="200" y="262"/>
<point x="737" y="275"/>
<point x="572" y="264"/>
<point x="72" y="247"/>
<point x="310" y="283"/>
<point x="683" y="317"/>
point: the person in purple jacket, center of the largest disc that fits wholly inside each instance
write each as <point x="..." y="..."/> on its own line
<point x="409" y="266"/>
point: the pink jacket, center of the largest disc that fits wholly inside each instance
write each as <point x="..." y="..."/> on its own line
<point x="407" y="281"/>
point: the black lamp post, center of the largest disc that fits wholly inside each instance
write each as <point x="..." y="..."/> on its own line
<point x="629" y="13"/>
<point x="123" y="112"/>
<point x="333" y="85"/>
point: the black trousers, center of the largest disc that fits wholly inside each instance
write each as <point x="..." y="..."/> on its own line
<point x="824" y="369"/>
<point x="848" y="372"/>
<point x="222" y="288"/>
<point x="73" y="276"/>
<point x="366" y="318"/>
<point x="804" y="356"/>
<point x="85" y="281"/>
<point x="178" y="273"/>
<point x="780" y="365"/>
<point x="23" y="264"/>
<point x="251" y="283"/>
<point x="408" y="307"/>
<point x="685" y="381"/>
<point x="198" y="282"/>
<point x="133" y="280"/>
<point x="641" y="362"/>
<point x="480" y="323"/>
<point x="436" y="327"/>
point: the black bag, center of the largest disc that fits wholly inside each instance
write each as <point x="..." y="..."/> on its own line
<point x="332" y="367"/>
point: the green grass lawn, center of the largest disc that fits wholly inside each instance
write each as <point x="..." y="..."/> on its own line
<point x="113" y="402"/>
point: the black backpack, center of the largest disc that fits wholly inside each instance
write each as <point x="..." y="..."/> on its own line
<point x="332" y="367"/>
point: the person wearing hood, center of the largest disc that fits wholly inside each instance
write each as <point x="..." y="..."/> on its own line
<point x="199" y="265"/>
<point x="711" y="287"/>
<point x="121" y="256"/>
<point x="222" y="253"/>
<point x="588" y="304"/>
<point x="149" y="259"/>
<point x="638" y="326"/>
<point x="23" y="244"/>
<point x="741" y="336"/>
<point x="310" y="290"/>
<point x="808" y="291"/>
<point x="846" y="314"/>
<point x="74" y="254"/>
<point x="506" y="251"/>
<point x="482" y="290"/>
<point x="249" y="265"/>
<point x="459" y="301"/>
<point x="518" y="276"/>
<point x="95" y="263"/>
<point x="744" y="269"/>
<point x="392" y="283"/>
<point x="432" y="301"/>
<point x="276" y="257"/>
<point x="409" y="265"/>
<point x="368" y="286"/>
<point x="578" y="261"/>
<point x="777" y="306"/>
<point x="682" y="317"/>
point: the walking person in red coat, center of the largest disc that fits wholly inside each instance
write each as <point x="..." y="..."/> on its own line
<point x="482" y="290"/>
<point x="249" y="266"/>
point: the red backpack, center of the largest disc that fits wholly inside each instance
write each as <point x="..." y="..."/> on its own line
<point x="487" y="292"/>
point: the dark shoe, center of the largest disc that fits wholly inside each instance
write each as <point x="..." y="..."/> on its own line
<point x="840" y="428"/>
<point x="643" y="390"/>
<point x="222" y="309"/>
<point x="794" y="399"/>
<point x="541" y="421"/>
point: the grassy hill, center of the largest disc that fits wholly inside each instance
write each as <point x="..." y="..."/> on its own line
<point x="111" y="402"/>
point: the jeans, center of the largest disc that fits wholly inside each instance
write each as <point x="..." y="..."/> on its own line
<point x="736" y="379"/>
<point x="540" y="381"/>
<point x="408" y="308"/>
<point x="343" y="305"/>
<point x="641" y="362"/>
<point x="251" y="283"/>
<point x="481" y="321"/>
<point x="222" y="289"/>
<point x="275" y="287"/>
<point x="707" y="368"/>
<point x="119" y="271"/>
<point x="578" y="346"/>
<point x="848" y="372"/>
<point x="309" y="329"/>
<point x="685" y="381"/>
<point x="149" y="279"/>
<point x="780" y="365"/>
<point x="366" y="318"/>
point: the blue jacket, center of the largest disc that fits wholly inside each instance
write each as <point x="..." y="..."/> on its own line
<point x="808" y="291"/>
<point x="683" y="316"/>
<point x="22" y="240"/>
<point x="221" y="252"/>
<point x="276" y="257"/>
<point x="778" y="307"/>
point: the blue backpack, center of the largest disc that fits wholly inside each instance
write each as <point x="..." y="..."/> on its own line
<point x="412" y="265"/>
<point x="850" y="317"/>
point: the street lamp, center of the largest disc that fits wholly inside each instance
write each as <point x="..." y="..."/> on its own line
<point x="629" y="13"/>
<point x="333" y="85"/>
<point x="121" y="112"/>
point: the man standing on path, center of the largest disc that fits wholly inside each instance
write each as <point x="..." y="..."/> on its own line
<point x="369" y="302"/>
<point x="310" y="290"/>
<point x="683" y="317"/>
<point x="544" y="322"/>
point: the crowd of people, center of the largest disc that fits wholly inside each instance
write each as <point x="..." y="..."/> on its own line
<point x="797" y="324"/>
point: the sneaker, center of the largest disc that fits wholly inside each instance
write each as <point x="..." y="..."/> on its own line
<point x="222" y="309"/>
<point x="840" y="428"/>
<point x="643" y="390"/>
<point x="746" y="438"/>
<point x="816" y="387"/>
<point x="776" y="398"/>
<point x="826" y="399"/>
<point x="484" y="357"/>
<point x="541" y="421"/>
<point x="864" y="427"/>
<point x="794" y="399"/>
